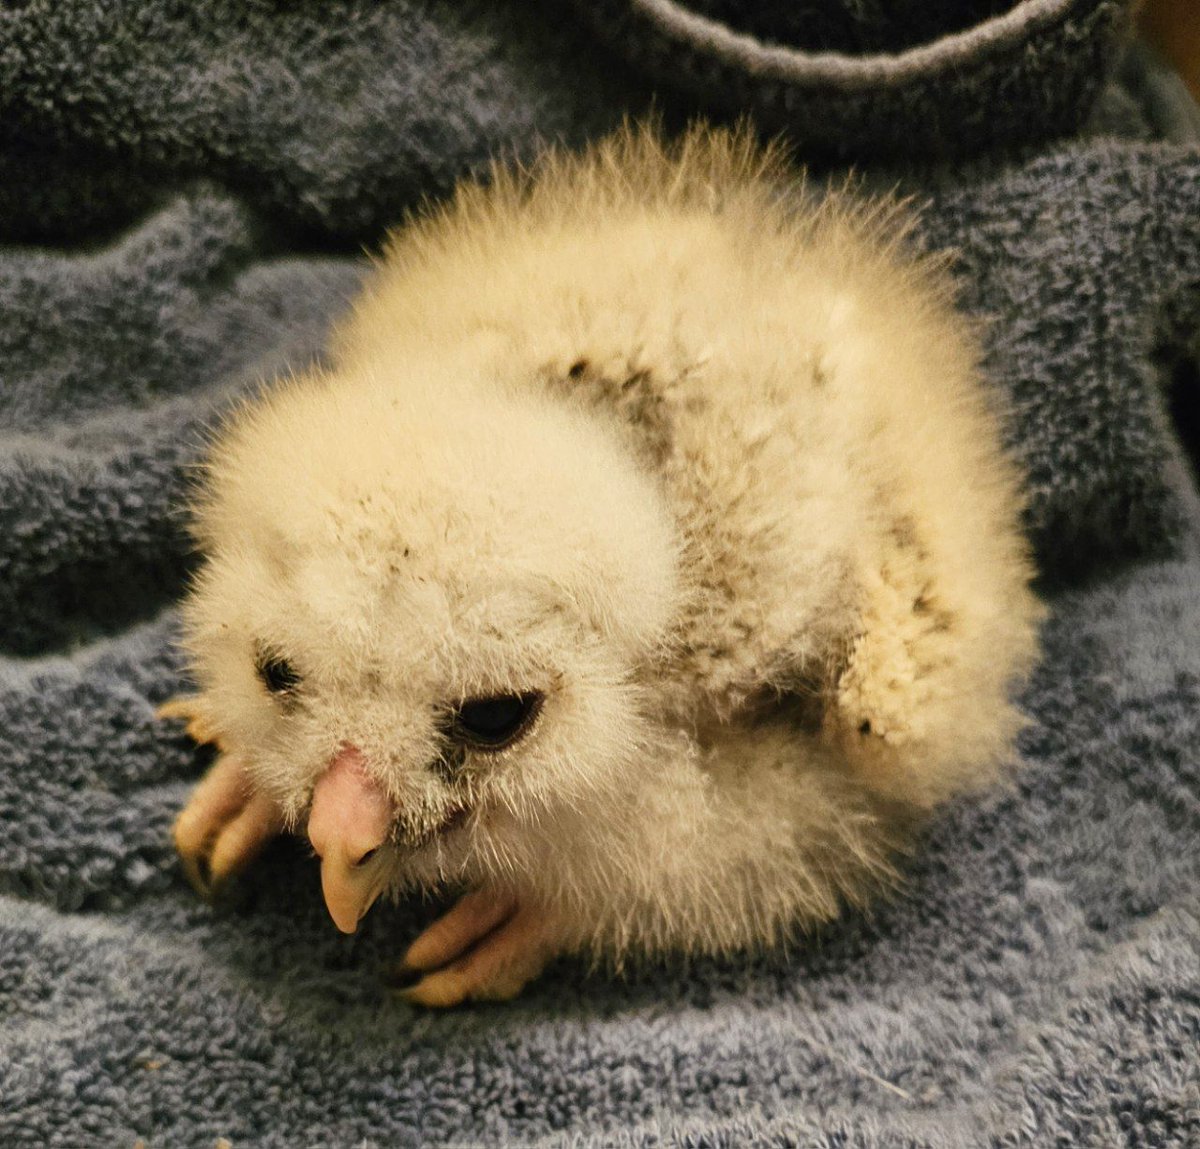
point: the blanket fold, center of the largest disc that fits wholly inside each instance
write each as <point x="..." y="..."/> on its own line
<point x="865" y="80"/>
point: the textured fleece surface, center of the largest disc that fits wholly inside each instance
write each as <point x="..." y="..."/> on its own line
<point x="188" y="173"/>
<point x="868" y="78"/>
<point x="332" y="116"/>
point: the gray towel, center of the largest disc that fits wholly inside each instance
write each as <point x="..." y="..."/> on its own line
<point x="867" y="78"/>
<point x="189" y="183"/>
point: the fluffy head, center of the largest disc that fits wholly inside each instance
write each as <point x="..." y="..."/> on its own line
<point x="385" y="544"/>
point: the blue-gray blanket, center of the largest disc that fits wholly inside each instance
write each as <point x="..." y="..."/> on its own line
<point x="183" y="189"/>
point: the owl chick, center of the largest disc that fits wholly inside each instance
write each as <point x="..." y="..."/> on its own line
<point x="643" y="568"/>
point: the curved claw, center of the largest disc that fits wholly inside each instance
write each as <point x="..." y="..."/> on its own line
<point x="486" y="948"/>
<point x="200" y="725"/>
<point x="223" y="827"/>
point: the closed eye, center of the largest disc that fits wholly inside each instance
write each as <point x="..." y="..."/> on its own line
<point x="496" y="721"/>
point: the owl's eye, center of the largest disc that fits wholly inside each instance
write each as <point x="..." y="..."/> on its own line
<point x="497" y="721"/>
<point x="278" y="675"/>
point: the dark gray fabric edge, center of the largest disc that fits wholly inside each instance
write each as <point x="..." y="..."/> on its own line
<point x="841" y="70"/>
<point x="970" y="93"/>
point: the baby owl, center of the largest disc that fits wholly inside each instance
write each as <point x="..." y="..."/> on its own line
<point x="643" y="567"/>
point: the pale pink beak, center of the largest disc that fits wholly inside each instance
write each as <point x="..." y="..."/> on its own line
<point x="349" y="825"/>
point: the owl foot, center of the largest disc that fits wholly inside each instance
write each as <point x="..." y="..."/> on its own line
<point x="200" y="726"/>
<point x="486" y="948"/>
<point x="223" y="827"/>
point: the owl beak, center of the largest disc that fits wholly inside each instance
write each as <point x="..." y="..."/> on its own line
<point x="349" y="825"/>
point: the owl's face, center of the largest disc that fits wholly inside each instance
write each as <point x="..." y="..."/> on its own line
<point x="465" y="600"/>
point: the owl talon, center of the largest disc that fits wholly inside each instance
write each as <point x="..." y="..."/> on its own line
<point x="200" y="727"/>
<point x="223" y="827"/>
<point x="471" y="919"/>
<point x="484" y="949"/>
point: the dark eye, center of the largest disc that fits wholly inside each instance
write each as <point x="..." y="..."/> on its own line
<point x="495" y="722"/>
<point x="278" y="675"/>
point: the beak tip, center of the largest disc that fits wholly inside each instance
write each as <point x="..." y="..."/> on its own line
<point x="345" y="916"/>
<point x="348" y="900"/>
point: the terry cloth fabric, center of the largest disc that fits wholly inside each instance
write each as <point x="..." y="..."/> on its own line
<point x="183" y="191"/>
<point x="865" y="78"/>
